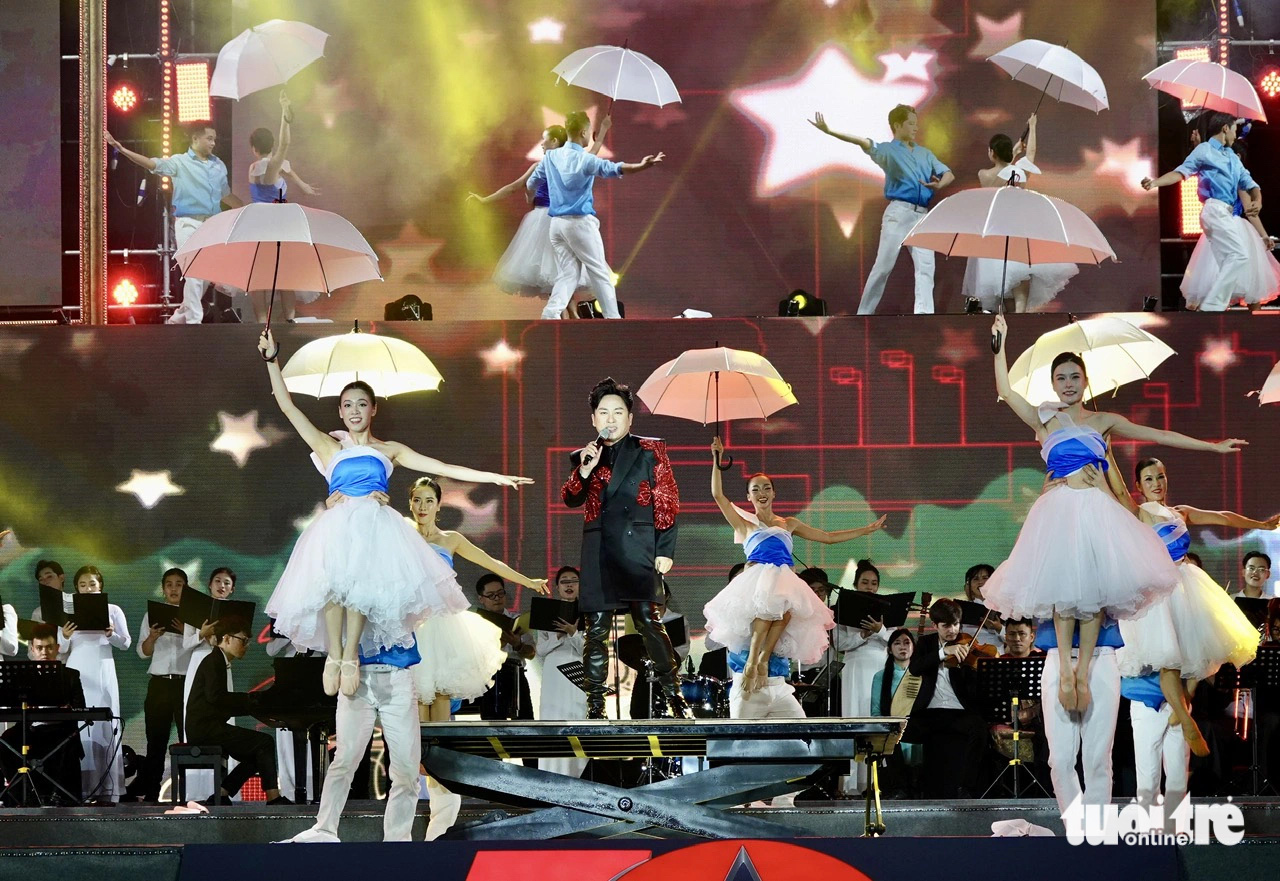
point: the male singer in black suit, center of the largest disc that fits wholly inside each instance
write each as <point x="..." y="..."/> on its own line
<point x="54" y="744"/>
<point x="210" y="705"/>
<point x="943" y="717"/>
<point x="630" y="498"/>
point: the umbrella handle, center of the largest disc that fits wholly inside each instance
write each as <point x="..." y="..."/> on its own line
<point x="996" y="342"/>
<point x="274" y="275"/>
<point x="723" y="462"/>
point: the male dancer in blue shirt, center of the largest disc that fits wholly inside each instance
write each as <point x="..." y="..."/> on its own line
<point x="1222" y="178"/>
<point x="912" y="174"/>
<point x="569" y="173"/>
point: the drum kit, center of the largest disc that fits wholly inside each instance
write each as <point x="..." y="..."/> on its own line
<point x="707" y="697"/>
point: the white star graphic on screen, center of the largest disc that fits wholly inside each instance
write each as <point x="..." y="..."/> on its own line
<point x="149" y="487"/>
<point x="917" y="65"/>
<point x="551" y="117"/>
<point x="546" y="30"/>
<point x="240" y="436"/>
<point x="191" y="567"/>
<point x="995" y="35"/>
<point x="1219" y="354"/>
<point x="10" y="547"/>
<point x="1124" y="161"/>
<point x="477" y="520"/>
<point x="501" y="358"/>
<point x="795" y="151"/>
<point x="301" y="523"/>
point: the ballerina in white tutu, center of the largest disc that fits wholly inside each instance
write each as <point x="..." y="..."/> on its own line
<point x="461" y="653"/>
<point x="1197" y="628"/>
<point x="1080" y="556"/>
<point x="989" y="280"/>
<point x="359" y="577"/>
<point x="528" y="266"/>
<point x="766" y="611"/>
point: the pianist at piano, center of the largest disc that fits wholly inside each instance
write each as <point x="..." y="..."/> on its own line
<point x="44" y="737"/>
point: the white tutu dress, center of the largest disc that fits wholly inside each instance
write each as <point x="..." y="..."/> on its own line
<point x="1196" y="629"/>
<point x="461" y="653"/>
<point x="768" y="589"/>
<point x="1261" y="283"/>
<point x="982" y="280"/>
<point x="1079" y="551"/>
<point x="528" y="266"/>
<point x="362" y="556"/>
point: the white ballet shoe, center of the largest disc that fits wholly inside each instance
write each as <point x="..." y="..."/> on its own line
<point x="444" y="809"/>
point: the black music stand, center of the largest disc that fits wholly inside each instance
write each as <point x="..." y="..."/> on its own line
<point x="576" y="673"/>
<point x="1261" y="678"/>
<point x="27" y="685"/>
<point x="1003" y="683"/>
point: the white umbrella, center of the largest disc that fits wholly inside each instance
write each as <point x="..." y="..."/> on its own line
<point x="1115" y="352"/>
<point x="1208" y="85"/>
<point x="620" y="73"/>
<point x="1054" y="70"/>
<point x="265" y="56"/>
<point x="1270" y="391"/>
<point x="323" y="367"/>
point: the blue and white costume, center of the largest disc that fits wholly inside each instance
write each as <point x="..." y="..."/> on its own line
<point x="528" y="266"/>
<point x="1197" y="628"/>
<point x="769" y="589"/>
<point x="363" y="556"/>
<point x="1079" y="551"/>
<point x="461" y="653"/>
<point x="262" y="190"/>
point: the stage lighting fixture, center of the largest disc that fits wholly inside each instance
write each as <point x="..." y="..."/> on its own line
<point x="124" y="97"/>
<point x="802" y="303"/>
<point x="407" y="308"/>
<point x="592" y="309"/>
<point x="192" y="80"/>
<point x="972" y="306"/>
<point x="1149" y="304"/>
<point x="1189" y="207"/>
<point x="125" y="292"/>
<point x="1269" y="85"/>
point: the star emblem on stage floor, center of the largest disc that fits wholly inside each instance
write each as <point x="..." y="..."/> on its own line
<point x="742" y="868"/>
<point x="501" y="358"/>
<point x="995" y="36"/>
<point x="149" y="487"/>
<point x="795" y="152"/>
<point x="239" y="436"/>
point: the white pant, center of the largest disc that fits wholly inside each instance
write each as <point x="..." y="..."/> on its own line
<point x="899" y="218"/>
<point x="386" y="694"/>
<point x="577" y="245"/>
<point x="777" y="700"/>
<point x="1157" y="742"/>
<point x="1230" y="250"/>
<point x="192" y="309"/>
<point x="1088" y="735"/>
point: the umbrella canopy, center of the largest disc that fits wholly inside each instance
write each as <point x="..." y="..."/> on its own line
<point x="1208" y="85"/>
<point x="620" y="73"/>
<point x="1270" y="391"/>
<point x="716" y="385"/>
<point x="265" y="56"/>
<point x="269" y="246"/>
<point x="1115" y="352"/>
<point x="323" y="367"/>
<point x="1010" y="222"/>
<point x="1056" y="71"/>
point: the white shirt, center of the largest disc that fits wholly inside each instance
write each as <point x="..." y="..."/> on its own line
<point x="169" y="656"/>
<point x="944" y="696"/>
<point x="9" y="635"/>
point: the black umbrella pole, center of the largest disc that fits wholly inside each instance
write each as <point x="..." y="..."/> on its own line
<point x="275" y="274"/>
<point x="1004" y="270"/>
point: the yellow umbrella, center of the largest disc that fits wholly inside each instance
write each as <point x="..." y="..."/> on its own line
<point x="323" y="367"/>
<point x="1115" y="352"/>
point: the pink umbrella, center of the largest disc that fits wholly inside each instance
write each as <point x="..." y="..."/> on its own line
<point x="278" y="245"/>
<point x="1209" y="85"/>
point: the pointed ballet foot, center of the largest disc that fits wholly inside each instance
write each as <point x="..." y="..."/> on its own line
<point x="1067" y="693"/>
<point x="330" y="677"/>
<point x="349" y="678"/>
<point x="1195" y="740"/>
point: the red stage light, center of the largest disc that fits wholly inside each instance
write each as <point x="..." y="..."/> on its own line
<point x="1270" y="83"/>
<point x="125" y="292"/>
<point x="124" y="98"/>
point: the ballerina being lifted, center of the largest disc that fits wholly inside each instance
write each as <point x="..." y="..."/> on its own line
<point x="360" y="578"/>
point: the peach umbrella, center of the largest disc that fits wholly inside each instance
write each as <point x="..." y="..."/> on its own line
<point x="1208" y="85"/>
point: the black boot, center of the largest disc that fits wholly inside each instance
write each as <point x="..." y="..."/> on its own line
<point x="648" y="622"/>
<point x="595" y="660"/>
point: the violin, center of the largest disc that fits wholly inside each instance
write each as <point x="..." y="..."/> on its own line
<point x="976" y="650"/>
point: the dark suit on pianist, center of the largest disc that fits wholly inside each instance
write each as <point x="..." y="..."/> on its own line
<point x="208" y="709"/>
<point x="630" y="503"/>
<point x="954" y="737"/>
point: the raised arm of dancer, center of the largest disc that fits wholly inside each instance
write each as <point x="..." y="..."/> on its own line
<point x="1200" y="517"/>
<point x="276" y="162"/>
<point x="295" y="181"/>
<point x="647" y="162"/>
<point x="820" y="124"/>
<point x="403" y="456"/>
<point x="597" y="139"/>
<point x="764" y="637"/>
<point x="811" y="533"/>
<point x="136" y="158"/>
<point x="1117" y="424"/>
<point x="1025" y="410"/>
<point x="502" y="192"/>
<point x="321" y="444"/>
<point x="1029" y="148"/>
<point x="736" y="520"/>
<point x="1167" y="179"/>
<point x="463" y="547"/>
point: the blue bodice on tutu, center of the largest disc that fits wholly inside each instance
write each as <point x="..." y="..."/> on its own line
<point x="778" y="665"/>
<point x="400" y="656"/>
<point x="1176" y="538"/>
<point x="1069" y="449"/>
<point x="771" y="545"/>
<point x="358" y="471"/>
<point x="444" y="553"/>
<point x="541" y="195"/>
<point x="267" y="192"/>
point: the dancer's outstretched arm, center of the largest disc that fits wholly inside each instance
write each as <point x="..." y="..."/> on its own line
<point x="597" y="139"/>
<point x="820" y="124"/>
<point x="502" y="192"/>
<point x="407" y="458"/>
<point x="463" y="547"/>
<point x="811" y="533"/>
<point x="1114" y="423"/>
<point x="1025" y="410"/>
<point x="1201" y="517"/>
<point x="321" y="444"/>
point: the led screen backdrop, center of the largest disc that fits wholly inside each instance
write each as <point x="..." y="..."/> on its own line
<point x="141" y="448"/>
<point x="418" y="104"/>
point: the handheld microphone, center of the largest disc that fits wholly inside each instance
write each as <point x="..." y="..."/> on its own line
<point x="142" y="189"/>
<point x="605" y="434"/>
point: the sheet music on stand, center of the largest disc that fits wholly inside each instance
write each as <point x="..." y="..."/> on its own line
<point x="35" y="683"/>
<point x="999" y="679"/>
<point x="1262" y="673"/>
<point x="576" y="673"/>
<point x="827" y="673"/>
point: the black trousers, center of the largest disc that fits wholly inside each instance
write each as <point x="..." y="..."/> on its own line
<point x="595" y="651"/>
<point x="62" y="765"/>
<point x="162" y="713"/>
<point x="254" y="752"/>
<point x="509" y="696"/>
<point x="954" y="744"/>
